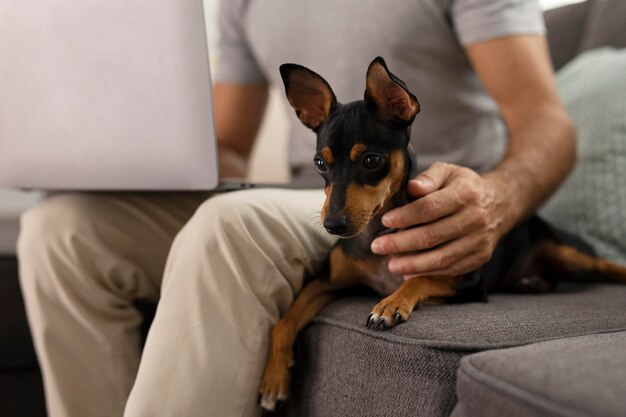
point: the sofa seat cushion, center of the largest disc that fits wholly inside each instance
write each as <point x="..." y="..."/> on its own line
<point x="578" y="376"/>
<point x="506" y="320"/>
<point x="345" y="369"/>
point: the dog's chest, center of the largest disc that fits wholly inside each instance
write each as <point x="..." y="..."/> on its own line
<point x="346" y="270"/>
<point x="375" y="274"/>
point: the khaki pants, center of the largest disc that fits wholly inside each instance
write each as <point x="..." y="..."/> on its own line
<point x="234" y="264"/>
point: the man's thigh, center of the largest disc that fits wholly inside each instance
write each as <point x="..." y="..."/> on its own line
<point x="106" y="235"/>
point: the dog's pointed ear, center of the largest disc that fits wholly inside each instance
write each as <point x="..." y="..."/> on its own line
<point x="309" y="94"/>
<point x="389" y="95"/>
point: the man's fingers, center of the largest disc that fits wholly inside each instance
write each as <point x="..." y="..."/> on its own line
<point x="427" y="236"/>
<point x="445" y="258"/>
<point x="430" y="180"/>
<point x="461" y="267"/>
<point x="425" y="210"/>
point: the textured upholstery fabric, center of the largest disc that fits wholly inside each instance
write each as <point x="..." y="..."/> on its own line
<point x="573" y="377"/>
<point x="605" y="25"/>
<point x="592" y="203"/>
<point x="564" y="34"/>
<point x="578" y="27"/>
<point x="344" y="369"/>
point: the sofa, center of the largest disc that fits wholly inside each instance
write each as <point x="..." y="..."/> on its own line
<point x="21" y="388"/>
<point x="556" y="354"/>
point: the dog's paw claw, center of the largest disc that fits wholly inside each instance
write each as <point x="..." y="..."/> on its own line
<point x="399" y="319"/>
<point x="387" y="314"/>
<point x="381" y="323"/>
<point x="279" y="404"/>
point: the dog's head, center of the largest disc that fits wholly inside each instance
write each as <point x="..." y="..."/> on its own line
<point x="361" y="146"/>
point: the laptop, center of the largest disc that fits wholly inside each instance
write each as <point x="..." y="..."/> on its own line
<point x="106" y="95"/>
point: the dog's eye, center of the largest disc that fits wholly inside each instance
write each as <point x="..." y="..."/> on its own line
<point x="320" y="165"/>
<point x="371" y="161"/>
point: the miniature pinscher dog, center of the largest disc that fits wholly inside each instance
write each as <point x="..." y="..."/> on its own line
<point x="364" y="155"/>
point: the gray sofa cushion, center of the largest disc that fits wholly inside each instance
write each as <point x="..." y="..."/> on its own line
<point x="592" y="202"/>
<point x="574" y="377"/>
<point x="564" y="32"/>
<point x="345" y="369"/>
<point x="605" y="25"/>
<point x="579" y="27"/>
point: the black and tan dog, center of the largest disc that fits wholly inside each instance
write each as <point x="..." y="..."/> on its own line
<point x="363" y="154"/>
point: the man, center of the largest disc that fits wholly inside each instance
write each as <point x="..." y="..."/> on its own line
<point x="481" y="70"/>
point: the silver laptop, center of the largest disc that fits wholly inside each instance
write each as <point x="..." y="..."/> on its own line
<point x="105" y="95"/>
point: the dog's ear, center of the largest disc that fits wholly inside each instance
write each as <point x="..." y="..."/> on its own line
<point x="388" y="94"/>
<point x="309" y="94"/>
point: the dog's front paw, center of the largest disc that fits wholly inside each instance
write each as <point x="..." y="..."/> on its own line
<point x="389" y="312"/>
<point x="274" y="389"/>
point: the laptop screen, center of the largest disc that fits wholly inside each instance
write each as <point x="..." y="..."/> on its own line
<point x="101" y="95"/>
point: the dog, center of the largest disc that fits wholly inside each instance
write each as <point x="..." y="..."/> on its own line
<point x="365" y="157"/>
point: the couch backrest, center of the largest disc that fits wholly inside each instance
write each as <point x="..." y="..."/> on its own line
<point x="579" y="27"/>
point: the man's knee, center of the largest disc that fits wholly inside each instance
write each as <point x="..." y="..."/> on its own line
<point x="49" y="231"/>
<point x="231" y="217"/>
<point x="51" y="220"/>
<point x="55" y="218"/>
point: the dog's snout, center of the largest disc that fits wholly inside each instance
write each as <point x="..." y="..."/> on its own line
<point x="336" y="225"/>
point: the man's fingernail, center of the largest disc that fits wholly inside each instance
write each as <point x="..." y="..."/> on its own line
<point x="394" y="266"/>
<point x="422" y="181"/>
<point x="387" y="219"/>
<point x="377" y="247"/>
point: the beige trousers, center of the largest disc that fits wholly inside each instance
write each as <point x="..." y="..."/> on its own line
<point x="234" y="264"/>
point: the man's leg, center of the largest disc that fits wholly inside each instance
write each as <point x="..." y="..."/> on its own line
<point x="84" y="259"/>
<point x="232" y="271"/>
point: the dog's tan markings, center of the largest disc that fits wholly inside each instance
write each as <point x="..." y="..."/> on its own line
<point x="397" y="307"/>
<point x="572" y="259"/>
<point x="328" y="191"/>
<point x="346" y="271"/>
<point x="276" y="377"/>
<point x="356" y="151"/>
<point x="364" y="201"/>
<point x="327" y="154"/>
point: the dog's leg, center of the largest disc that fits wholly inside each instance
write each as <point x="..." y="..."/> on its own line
<point x="568" y="258"/>
<point x="276" y="378"/>
<point x="397" y="307"/>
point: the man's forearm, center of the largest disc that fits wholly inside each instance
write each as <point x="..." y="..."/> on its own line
<point x="232" y="164"/>
<point x="540" y="154"/>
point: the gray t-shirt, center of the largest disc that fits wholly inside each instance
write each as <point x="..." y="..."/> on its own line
<point x="422" y="42"/>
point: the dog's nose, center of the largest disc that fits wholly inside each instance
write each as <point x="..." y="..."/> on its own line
<point x="336" y="225"/>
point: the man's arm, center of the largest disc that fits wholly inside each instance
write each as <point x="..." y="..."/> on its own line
<point x="239" y="110"/>
<point x="542" y="147"/>
<point x="462" y="215"/>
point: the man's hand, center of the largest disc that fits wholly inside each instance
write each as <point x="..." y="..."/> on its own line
<point x="460" y="216"/>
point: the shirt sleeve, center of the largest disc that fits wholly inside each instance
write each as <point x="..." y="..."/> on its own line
<point x="235" y="62"/>
<point x="481" y="20"/>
